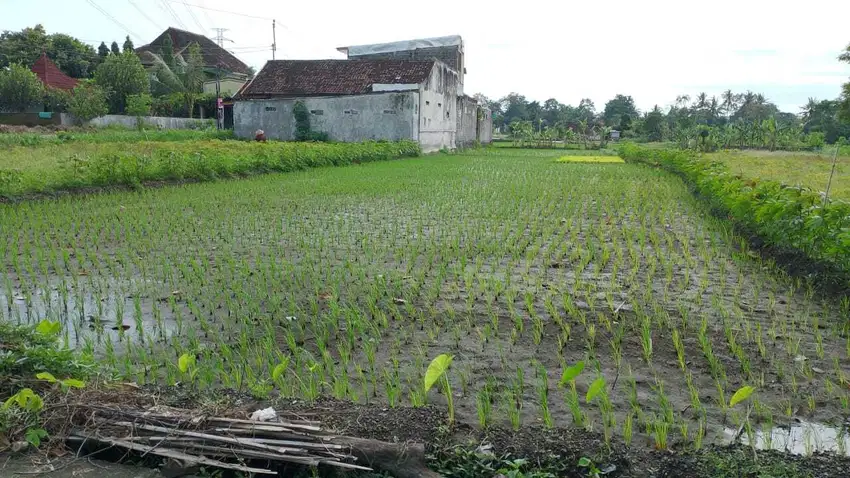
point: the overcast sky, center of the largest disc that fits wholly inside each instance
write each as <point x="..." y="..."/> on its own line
<point x="652" y="50"/>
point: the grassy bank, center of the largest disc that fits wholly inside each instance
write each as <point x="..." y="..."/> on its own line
<point x="109" y="135"/>
<point x="80" y="165"/>
<point x="808" y="169"/>
<point x="791" y="220"/>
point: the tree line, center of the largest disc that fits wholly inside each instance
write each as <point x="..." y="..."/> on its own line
<point x="734" y="119"/>
<point x="111" y="79"/>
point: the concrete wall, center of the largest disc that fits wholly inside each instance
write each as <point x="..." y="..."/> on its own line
<point x="390" y="116"/>
<point x="154" y="121"/>
<point x="485" y="125"/>
<point x="438" y="115"/>
<point x="29" y="119"/>
<point x="467" y="122"/>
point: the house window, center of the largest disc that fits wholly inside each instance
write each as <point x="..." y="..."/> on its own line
<point x="271" y="108"/>
<point x="447" y="114"/>
<point x="427" y="102"/>
<point x="317" y="112"/>
<point x="351" y="112"/>
<point x="440" y="105"/>
<point x="389" y="112"/>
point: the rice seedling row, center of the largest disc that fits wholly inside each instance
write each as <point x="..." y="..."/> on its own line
<point x="592" y="295"/>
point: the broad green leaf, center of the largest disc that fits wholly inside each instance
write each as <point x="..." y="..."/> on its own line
<point x="438" y="367"/>
<point x="49" y="328"/>
<point x="73" y="383"/>
<point x="742" y="394"/>
<point x="584" y="462"/>
<point x="570" y="373"/>
<point x="185" y="362"/>
<point x="280" y="369"/>
<point x="35" y="435"/>
<point x="594" y="389"/>
<point x="46" y="376"/>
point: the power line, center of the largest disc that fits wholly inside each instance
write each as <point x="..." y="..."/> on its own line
<point x="144" y="14"/>
<point x="110" y="17"/>
<point x="173" y="14"/>
<point x="220" y="11"/>
<point x="192" y="14"/>
<point x="206" y="15"/>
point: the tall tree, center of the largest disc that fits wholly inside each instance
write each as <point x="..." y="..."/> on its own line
<point x="617" y="107"/>
<point x="127" y="47"/>
<point x="653" y="124"/>
<point x="19" y="89"/>
<point x="102" y="51"/>
<point x="166" y="52"/>
<point x="121" y="75"/>
<point x="186" y="77"/>
<point x="729" y="103"/>
<point x="114" y="48"/>
<point x="72" y="56"/>
<point x="844" y="110"/>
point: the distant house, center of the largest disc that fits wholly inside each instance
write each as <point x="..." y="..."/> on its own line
<point x="380" y="92"/>
<point x="219" y="63"/>
<point x="51" y="75"/>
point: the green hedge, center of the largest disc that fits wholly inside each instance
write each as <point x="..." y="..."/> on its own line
<point x="136" y="163"/>
<point x="791" y="219"/>
<point x="111" y="135"/>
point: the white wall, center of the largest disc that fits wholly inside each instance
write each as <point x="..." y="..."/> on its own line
<point x="388" y="116"/>
<point x="131" y="122"/>
<point x="438" y="115"/>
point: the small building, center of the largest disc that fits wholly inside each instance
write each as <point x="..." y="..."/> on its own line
<point x="353" y="100"/>
<point x="51" y="75"/>
<point x="391" y="91"/>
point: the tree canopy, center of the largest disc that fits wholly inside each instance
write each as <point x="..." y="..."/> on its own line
<point x="618" y="108"/>
<point x="75" y="58"/>
<point x="19" y="89"/>
<point x="121" y="75"/>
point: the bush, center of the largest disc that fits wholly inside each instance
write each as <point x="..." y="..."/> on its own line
<point x="20" y="89"/>
<point x="122" y="164"/>
<point x="87" y="102"/>
<point x="787" y="218"/>
<point x="303" y="132"/>
<point x="815" y="140"/>
<point x="56" y="100"/>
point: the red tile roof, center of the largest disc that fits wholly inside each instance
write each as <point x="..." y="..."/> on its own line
<point x="292" y="78"/>
<point x="214" y="55"/>
<point x="51" y="75"/>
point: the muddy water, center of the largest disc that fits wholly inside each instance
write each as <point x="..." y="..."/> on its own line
<point x="803" y="438"/>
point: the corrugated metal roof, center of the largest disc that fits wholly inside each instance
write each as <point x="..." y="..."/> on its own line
<point x="404" y="45"/>
<point x="287" y="78"/>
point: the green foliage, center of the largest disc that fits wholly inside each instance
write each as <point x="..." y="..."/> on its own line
<point x="789" y="218"/>
<point x="65" y="383"/>
<point x="437" y="369"/>
<point x="20" y="89"/>
<point x="740" y="395"/>
<point x="127" y="47"/>
<point x="570" y="373"/>
<point x="139" y="105"/>
<point x="183" y="77"/>
<point x="121" y="75"/>
<point x="27" y="352"/>
<point x="25" y="399"/>
<point x="74" y="57"/>
<point x="131" y="165"/>
<point x="616" y="108"/>
<point x="186" y="363"/>
<point x="56" y="100"/>
<point x="466" y="462"/>
<point x="88" y="101"/>
<point x="114" y="135"/>
<point x="303" y="131"/>
<point x="595" y="389"/>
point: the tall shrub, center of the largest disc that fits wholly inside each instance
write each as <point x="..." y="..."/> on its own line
<point x="121" y="75"/>
<point x="87" y="101"/>
<point x="19" y="89"/>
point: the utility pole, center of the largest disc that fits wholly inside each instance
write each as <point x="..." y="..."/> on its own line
<point x="219" y="36"/>
<point x="274" y="40"/>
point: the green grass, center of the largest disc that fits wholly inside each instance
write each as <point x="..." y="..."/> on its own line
<point x="355" y="278"/>
<point x="793" y="168"/>
<point x="589" y="159"/>
<point x="110" y="135"/>
<point x="78" y="165"/>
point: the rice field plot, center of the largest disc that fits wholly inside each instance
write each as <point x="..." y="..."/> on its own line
<point x="584" y="295"/>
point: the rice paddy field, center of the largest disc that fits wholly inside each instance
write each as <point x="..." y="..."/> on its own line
<point x="800" y="168"/>
<point x="570" y="294"/>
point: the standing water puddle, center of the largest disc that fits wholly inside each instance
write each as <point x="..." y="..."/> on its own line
<point x="803" y="438"/>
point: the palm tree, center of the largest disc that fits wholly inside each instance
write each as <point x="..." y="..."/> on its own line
<point x="809" y="109"/>
<point x="702" y="100"/>
<point x="184" y="76"/>
<point x="682" y="101"/>
<point x="729" y="103"/>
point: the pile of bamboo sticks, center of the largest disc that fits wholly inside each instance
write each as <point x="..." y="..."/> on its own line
<point x="226" y="443"/>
